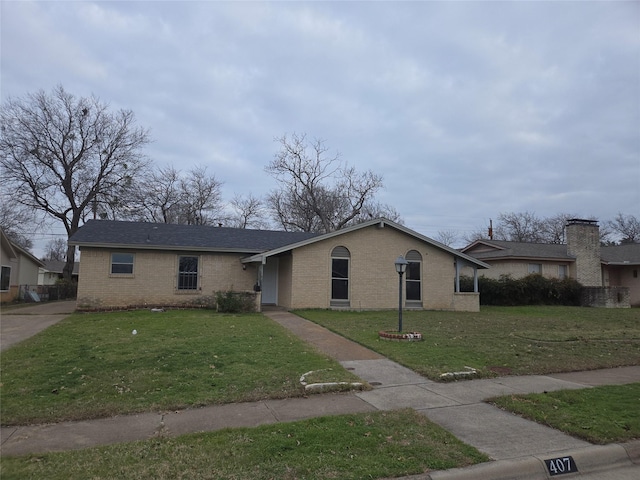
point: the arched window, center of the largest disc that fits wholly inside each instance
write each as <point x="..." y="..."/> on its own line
<point x="340" y="276"/>
<point x="414" y="276"/>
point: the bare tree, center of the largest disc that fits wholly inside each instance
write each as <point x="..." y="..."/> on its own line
<point x="166" y="195"/>
<point x="248" y="212"/>
<point x="627" y="226"/>
<point x="201" y="198"/>
<point x="17" y="221"/>
<point x="318" y="192"/>
<point x="553" y="228"/>
<point x="447" y="237"/>
<point x="519" y="227"/>
<point x="55" y="249"/>
<point x="59" y="153"/>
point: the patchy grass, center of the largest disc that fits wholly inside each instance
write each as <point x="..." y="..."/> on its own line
<point x="91" y="365"/>
<point x="373" y="445"/>
<point x="498" y="340"/>
<point x="600" y="415"/>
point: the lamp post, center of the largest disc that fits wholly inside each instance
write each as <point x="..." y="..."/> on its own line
<point x="401" y="267"/>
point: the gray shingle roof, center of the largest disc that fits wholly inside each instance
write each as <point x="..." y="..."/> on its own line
<point x="504" y="249"/>
<point x="186" y="237"/>
<point x="628" y="253"/>
<point x="57" y="266"/>
<point x="615" y="254"/>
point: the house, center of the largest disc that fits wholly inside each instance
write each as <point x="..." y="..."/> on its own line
<point x="19" y="268"/>
<point x="612" y="271"/>
<point x="134" y="264"/>
<point x="51" y="272"/>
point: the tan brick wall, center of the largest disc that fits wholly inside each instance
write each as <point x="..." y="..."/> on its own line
<point x="583" y="241"/>
<point x="519" y="269"/>
<point x="373" y="281"/>
<point x="154" y="280"/>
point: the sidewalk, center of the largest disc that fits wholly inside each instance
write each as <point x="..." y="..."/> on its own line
<point x="518" y="446"/>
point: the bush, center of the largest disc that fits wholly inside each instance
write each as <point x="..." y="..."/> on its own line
<point x="235" y="302"/>
<point x="533" y="289"/>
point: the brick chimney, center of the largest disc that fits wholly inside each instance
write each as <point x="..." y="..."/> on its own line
<point x="583" y="242"/>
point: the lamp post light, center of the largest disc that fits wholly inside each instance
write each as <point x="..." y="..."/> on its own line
<point x="401" y="267"/>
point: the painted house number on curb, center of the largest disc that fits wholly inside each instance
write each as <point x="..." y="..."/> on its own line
<point x="558" y="466"/>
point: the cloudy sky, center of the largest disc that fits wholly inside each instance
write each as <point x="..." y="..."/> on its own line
<point x="467" y="109"/>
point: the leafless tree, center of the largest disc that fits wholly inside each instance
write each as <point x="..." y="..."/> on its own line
<point x="626" y="226"/>
<point x="166" y="195"/>
<point x="318" y="192"/>
<point x="519" y="227"/>
<point x="59" y="153"/>
<point x="55" y="249"/>
<point x="17" y="221"/>
<point x="201" y="198"/>
<point x="447" y="237"/>
<point x="249" y="212"/>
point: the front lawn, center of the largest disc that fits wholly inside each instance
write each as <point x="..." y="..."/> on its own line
<point x="372" y="445"/>
<point x="92" y="365"/>
<point x="601" y="415"/>
<point x="498" y="340"/>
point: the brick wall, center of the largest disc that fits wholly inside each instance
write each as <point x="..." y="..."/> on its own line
<point x="154" y="280"/>
<point x="583" y="242"/>
<point x="373" y="282"/>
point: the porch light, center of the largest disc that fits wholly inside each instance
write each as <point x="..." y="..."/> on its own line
<point x="401" y="267"/>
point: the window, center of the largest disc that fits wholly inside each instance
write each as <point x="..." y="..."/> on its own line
<point x="563" y="271"/>
<point x="340" y="276"/>
<point x="122" y="263"/>
<point x="413" y="283"/>
<point x="5" y="279"/>
<point x="535" y="268"/>
<point x="187" y="273"/>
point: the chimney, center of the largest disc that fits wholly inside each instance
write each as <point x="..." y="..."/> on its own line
<point x="583" y="243"/>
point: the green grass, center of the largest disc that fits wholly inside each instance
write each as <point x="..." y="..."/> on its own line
<point x="516" y="340"/>
<point x="599" y="415"/>
<point x="375" y="445"/>
<point x="90" y="365"/>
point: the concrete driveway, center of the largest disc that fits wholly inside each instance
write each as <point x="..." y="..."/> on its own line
<point x="20" y="323"/>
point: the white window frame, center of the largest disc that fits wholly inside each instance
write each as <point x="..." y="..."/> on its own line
<point x="112" y="263"/>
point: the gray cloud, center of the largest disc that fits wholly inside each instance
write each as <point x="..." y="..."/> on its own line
<point x="467" y="109"/>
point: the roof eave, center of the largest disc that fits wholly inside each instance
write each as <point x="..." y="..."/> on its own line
<point x="186" y="248"/>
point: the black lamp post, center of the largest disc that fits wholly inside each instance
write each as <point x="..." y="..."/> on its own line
<point x="401" y="267"/>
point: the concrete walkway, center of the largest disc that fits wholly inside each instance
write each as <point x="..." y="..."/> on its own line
<point x="518" y="446"/>
<point x="21" y="322"/>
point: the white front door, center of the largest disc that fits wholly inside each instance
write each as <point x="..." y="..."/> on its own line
<point x="270" y="282"/>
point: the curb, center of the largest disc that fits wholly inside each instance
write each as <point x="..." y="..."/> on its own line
<point x="593" y="459"/>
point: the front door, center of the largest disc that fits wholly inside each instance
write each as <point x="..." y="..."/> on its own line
<point x="270" y="282"/>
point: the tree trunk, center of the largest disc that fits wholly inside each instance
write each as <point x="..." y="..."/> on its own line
<point x="67" y="272"/>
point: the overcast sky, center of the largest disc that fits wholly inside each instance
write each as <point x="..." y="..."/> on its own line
<point x="467" y="109"/>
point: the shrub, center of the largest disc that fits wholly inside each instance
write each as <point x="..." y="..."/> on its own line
<point x="235" y="302"/>
<point x="533" y="289"/>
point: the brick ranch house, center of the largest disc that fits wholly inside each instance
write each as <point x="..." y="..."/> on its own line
<point x="133" y="264"/>
<point x="610" y="273"/>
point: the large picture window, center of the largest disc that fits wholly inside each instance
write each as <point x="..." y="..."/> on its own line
<point x="187" y="273"/>
<point x="5" y="279"/>
<point x="122" y="263"/>
<point x="340" y="276"/>
<point x="414" y="276"/>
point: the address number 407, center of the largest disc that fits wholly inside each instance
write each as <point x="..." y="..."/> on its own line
<point x="558" y="466"/>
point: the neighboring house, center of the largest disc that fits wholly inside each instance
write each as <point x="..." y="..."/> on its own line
<point x="135" y="264"/>
<point x="19" y="267"/>
<point x="582" y="258"/>
<point x="51" y="272"/>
